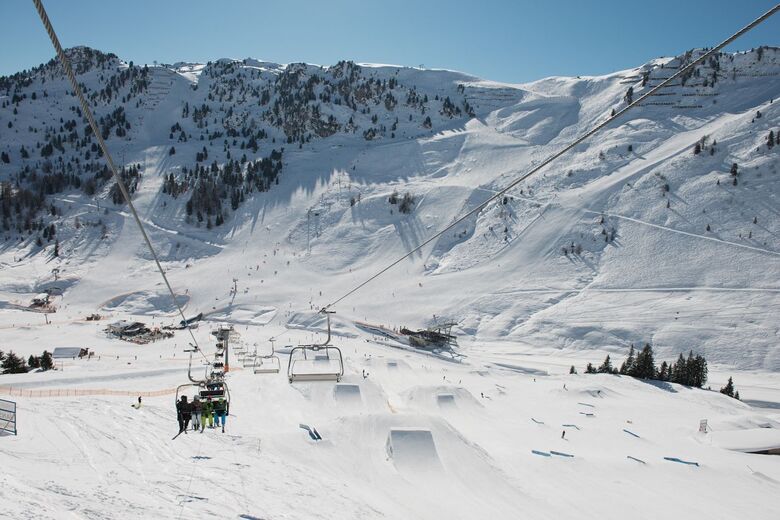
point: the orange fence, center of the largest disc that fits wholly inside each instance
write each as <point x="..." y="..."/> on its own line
<point x="80" y="392"/>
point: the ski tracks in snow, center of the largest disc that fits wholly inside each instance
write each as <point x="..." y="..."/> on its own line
<point x="686" y="233"/>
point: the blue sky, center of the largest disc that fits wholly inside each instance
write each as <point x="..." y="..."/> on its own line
<point x="512" y="41"/>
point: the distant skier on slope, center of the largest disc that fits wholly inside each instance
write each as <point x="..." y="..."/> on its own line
<point x="183" y="413"/>
<point x="220" y="411"/>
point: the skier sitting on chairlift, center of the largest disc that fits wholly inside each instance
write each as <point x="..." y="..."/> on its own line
<point x="197" y="408"/>
<point x="220" y="411"/>
<point x="207" y="414"/>
<point x="183" y="413"/>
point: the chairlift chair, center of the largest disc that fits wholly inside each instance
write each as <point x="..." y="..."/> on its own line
<point x="213" y="385"/>
<point x="249" y="360"/>
<point x="267" y="364"/>
<point x="319" y="362"/>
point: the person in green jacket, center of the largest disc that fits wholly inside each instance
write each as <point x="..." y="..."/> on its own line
<point x="207" y="414"/>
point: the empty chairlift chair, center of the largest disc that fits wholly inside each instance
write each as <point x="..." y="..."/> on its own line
<point x="249" y="360"/>
<point x="268" y="363"/>
<point x="322" y="362"/>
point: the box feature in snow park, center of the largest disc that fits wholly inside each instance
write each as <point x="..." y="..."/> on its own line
<point x="681" y="461"/>
<point x="8" y="416"/>
<point x="412" y="449"/>
<point x="345" y="393"/>
<point x="445" y="400"/>
<point x="561" y="454"/>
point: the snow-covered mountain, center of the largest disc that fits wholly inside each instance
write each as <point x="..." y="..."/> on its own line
<point x="282" y="177"/>
<point x="271" y="190"/>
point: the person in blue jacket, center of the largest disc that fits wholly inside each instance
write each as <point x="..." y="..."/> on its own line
<point x="220" y="412"/>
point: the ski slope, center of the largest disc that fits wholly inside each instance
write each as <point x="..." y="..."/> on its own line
<point x="98" y="457"/>
<point x="610" y="246"/>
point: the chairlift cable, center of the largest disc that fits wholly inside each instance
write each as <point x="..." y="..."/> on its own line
<point x="96" y="131"/>
<point x="561" y="152"/>
<point x="189" y="482"/>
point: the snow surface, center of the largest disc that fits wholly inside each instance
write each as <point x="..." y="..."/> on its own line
<point x="525" y="312"/>
<point x="397" y="449"/>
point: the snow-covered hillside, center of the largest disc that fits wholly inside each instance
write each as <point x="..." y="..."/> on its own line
<point x="271" y="190"/>
<point x="632" y="238"/>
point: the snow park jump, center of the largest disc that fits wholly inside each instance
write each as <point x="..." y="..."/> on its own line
<point x="238" y="288"/>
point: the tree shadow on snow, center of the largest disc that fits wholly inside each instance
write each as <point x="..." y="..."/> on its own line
<point x="661" y="385"/>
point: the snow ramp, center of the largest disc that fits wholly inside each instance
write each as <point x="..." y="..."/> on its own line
<point x="412" y="449"/>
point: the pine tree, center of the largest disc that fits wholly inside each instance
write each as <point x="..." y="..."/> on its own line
<point x="589" y="369"/>
<point x="606" y="366"/>
<point x="736" y="396"/>
<point x="628" y="364"/>
<point x="572" y="370"/>
<point x="34" y="361"/>
<point x="663" y="372"/>
<point x="678" y="371"/>
<point x="644" y="368"/>
<point x="13" y="364"/>
<point x="690" y="369"/>
<point x="47" y="363"/>
<point x="698" y="371"/>
<point x="728" y="389"/>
